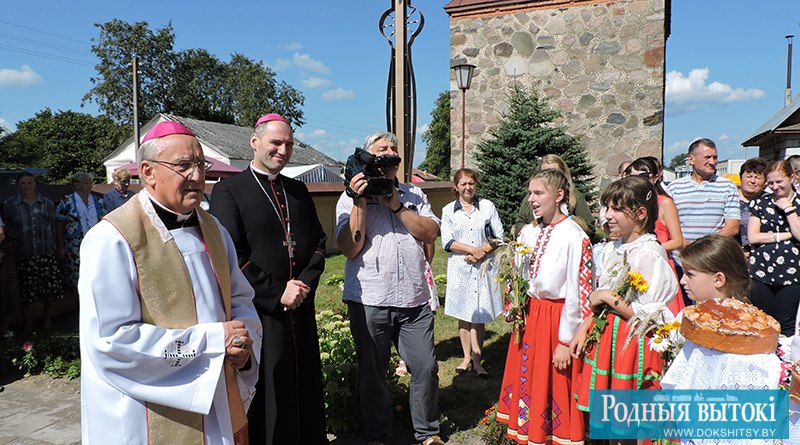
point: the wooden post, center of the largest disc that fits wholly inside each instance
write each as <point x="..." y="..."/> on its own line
<point x="400" y="89"/>
<point x="135" y="64"/>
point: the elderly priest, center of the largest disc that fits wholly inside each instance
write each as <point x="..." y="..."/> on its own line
<point x="170" y="340"/>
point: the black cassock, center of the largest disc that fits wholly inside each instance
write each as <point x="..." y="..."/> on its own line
<point x="288" y="407"/>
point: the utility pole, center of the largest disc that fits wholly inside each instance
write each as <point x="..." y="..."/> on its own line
<point x="135" y="64"/>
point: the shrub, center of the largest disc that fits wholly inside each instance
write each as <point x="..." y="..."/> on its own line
<point x="57" y="356"/>
<point x="339" y="372"/>
<point x="340" y="375"/>
<point x="335" y="280"/>
<point x="494" y="432"/>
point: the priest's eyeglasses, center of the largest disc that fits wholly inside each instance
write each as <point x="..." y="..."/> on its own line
<point x="185" y="167"/>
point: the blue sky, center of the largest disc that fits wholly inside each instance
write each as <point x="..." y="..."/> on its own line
<point x="726" y="64"/>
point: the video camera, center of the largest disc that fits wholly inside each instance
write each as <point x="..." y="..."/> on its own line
<point x="374" y="169"/>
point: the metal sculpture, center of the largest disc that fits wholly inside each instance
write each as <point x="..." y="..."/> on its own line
<point x="401" y="87"/>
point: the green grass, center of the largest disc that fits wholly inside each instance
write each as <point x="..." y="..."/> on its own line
<point x="463" y="398"/>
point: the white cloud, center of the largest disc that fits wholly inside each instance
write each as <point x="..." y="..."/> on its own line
<point x="281" y="64"/>
<point x="300" y="134"/>
<point x="689" y="93"/>
<point x="4" y="125"/>
<point x="315" y="82"/>
<point x="319" y="133"/>
<point x="338" y="94"/>
<point x="305" y="62"/>
<point x="422" y="129"/>
<point x="19" y="78"/>
<point x="293" y="46"/>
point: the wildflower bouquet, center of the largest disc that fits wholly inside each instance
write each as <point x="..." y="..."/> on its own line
<point x="629" y="285"/>
<point x="667" y="341"/>
<point x="512" y="258"/>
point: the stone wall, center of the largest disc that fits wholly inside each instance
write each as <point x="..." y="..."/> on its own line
<point x="601" y="64"/>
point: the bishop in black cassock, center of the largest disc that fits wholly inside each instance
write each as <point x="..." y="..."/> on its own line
<point x="274" y="224"/>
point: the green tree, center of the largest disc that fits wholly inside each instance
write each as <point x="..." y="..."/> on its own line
<point x="64" y="142"/>
<point x="677" y="161"/>
<point x="437" y="138"/>
<point x="508" y="157"/>
<point x="253" y="90"/>
<point x="198" y="87"/>
<point x="118" y="43"/>
<point x="191" y="83"/>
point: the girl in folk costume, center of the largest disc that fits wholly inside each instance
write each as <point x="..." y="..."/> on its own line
<point x="536" y="395"/>
<point x="668" y="226"/>
<point x="611" y="360"/>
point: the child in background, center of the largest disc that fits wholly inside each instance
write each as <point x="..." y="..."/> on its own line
<point x="609" y="363"/>
<point x="536" y="395"/>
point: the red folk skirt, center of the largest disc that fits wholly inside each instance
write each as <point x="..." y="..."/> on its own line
<point x="536" y="400"/>
<point x="609" y="365"/>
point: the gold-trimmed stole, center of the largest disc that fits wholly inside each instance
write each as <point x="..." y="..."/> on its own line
<point x="167" y="300"/>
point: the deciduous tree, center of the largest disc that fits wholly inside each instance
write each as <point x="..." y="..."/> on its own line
<point x="437" y="137"/>
<point x="191" y="83"/>
<point x="118" y="43"/>
<point x="64" y="142"/>
<point x="677" y="161"/>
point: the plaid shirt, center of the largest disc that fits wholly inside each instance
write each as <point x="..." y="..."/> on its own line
<point x="390" y="269"/>
<point x="31" y="226"/>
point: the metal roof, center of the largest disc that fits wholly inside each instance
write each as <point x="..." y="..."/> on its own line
<point x="783" y="119"/>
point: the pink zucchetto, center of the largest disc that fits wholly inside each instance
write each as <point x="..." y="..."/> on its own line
<point x="271" y="117"/>
<point x="166" y="128"/>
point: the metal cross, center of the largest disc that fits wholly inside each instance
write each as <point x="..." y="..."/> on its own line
<point x="289" y="244"/>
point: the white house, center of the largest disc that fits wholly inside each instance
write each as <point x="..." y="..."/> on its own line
<point x="226" y="143"/>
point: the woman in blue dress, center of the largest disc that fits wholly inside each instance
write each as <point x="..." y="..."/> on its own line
<point x="75" y="215"/>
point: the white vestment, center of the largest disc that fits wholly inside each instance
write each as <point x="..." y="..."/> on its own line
<point x="125" y="363"/>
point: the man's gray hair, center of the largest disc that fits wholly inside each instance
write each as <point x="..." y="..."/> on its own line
<point x="377" y="136"/>
<point x="81" y="176"/>
<point x="149" y="150"/>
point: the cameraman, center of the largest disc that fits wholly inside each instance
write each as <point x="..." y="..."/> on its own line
<point x="387" y="294"/>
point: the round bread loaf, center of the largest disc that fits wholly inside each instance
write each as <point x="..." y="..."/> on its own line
<point x="729" y="325"/>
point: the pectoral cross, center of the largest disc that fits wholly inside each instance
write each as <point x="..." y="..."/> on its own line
<point x="289" y="244"/>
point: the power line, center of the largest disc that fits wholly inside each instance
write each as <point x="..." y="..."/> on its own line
<point x="336" y="131"/>
<point x="44" y="44"/>
<point x="46" y="55"/>
<point x="353" y="126"/>
<point x="44" y="32"/>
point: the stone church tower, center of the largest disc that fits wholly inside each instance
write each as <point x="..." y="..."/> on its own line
<point x="599" y="62"/>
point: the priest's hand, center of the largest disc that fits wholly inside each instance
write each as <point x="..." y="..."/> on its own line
<point x="296" y="291"/>
<point x="237" y="343"/>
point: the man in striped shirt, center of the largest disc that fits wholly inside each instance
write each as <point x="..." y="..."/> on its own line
<point x="707" y="204"/>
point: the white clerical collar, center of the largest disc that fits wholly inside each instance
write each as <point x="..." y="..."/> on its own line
<point x="180" y="217"/>
<point x="269" y="175"/>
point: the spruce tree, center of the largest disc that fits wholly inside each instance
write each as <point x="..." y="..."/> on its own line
<point x="510" y="155"/>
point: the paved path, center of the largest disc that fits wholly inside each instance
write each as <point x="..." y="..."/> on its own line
<point x="39" y="410"/>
